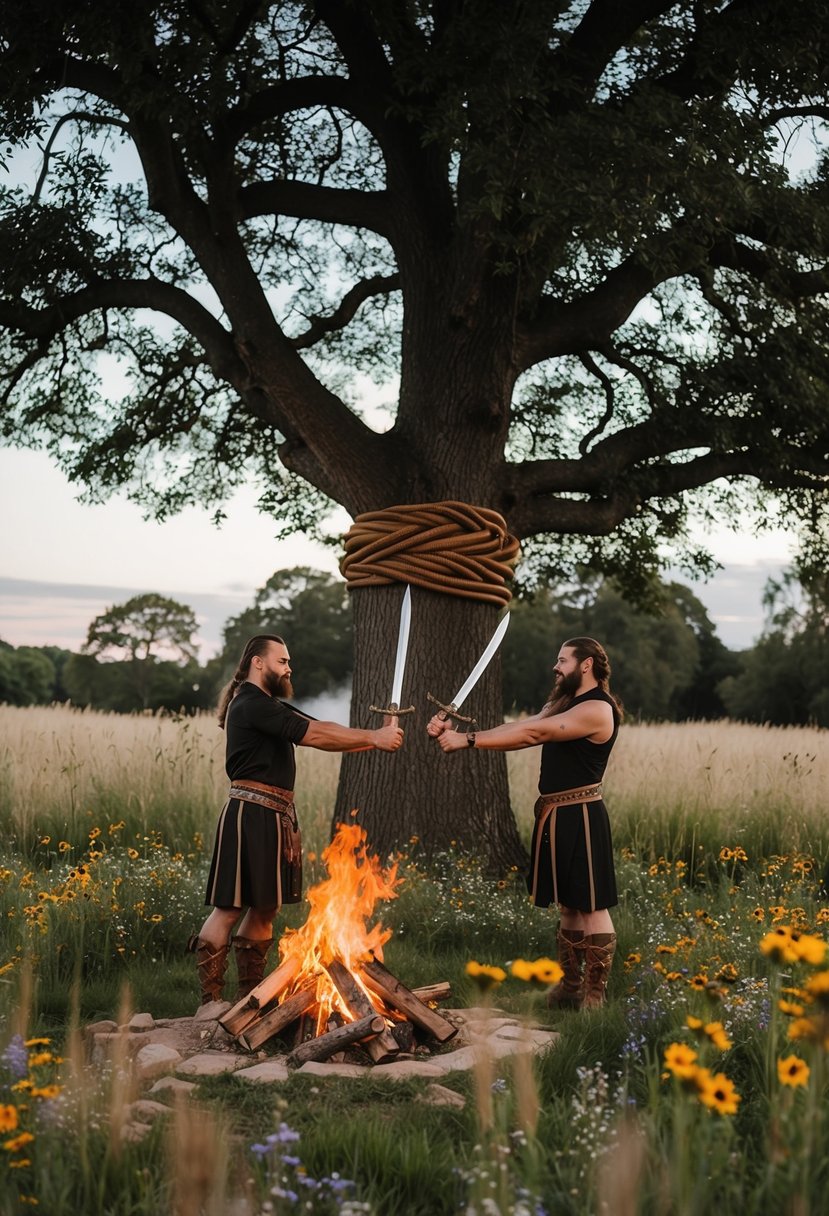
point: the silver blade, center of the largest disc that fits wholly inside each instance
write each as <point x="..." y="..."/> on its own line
<point x="482" y="664"/>
<point x="402" y="647"/>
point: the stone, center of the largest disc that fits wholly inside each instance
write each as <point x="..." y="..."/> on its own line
<point x="401" y="1070"/>
<point x="173" y="1085"/>
<point x="211" y="1012"/>
<point x="144" y="1110"/>
<point x="270" y="1071"/>
<point x="155" y="1059"/>
<point x="134" y="1133"/>
<point x="109" y="1043"/>
<point x="141" y="1021"/>
<point x="440" y="1095"/>
<point x="209" y="1064"/>
<point x="103" y="1027"/>
<point x="314" y="1069"/>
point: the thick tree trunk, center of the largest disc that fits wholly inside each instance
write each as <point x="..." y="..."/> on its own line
<point x="448" y="802"/>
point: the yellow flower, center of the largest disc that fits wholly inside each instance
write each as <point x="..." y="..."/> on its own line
<point x="45" y="1091"/>
<point x="791" y="1009"/>
<point x="803" y="1028"/>
<point x="132" y="854"/>
<point x="693" y="1023"/>
<point x="64" y="845"/>
<point x="95" y="833"/>
<point x="727" y="973"/>
<point x="809" y="949"/>
<point x="40" y="1057"/>
<point x="726" y="854"/>
<point x="778" y="946"/>
<point x="792" y="1071"/>
<point x="817" y="987"/>
<point x="45" y="840"/>
<point x="698" y="982"/>
<point x="716" y="1033"/>
<point x="759" y="914"/>
<point x="681" y="1060"/>
<point x="37" y="1042"/>
<point x="8" y="1118"/>
<point x="485" y="977"/>
<point x="717" y="1092"/>
<point x="666" y="949"/>
<point x="673" y="975"/>
<point x="822" y="916"/>
<point x="632" y="960"/>
<point x="11" y="1146"/>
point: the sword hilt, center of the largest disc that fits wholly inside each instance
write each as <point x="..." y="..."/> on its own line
<point x="392" y="710"/>
<point x="450" y="711"/>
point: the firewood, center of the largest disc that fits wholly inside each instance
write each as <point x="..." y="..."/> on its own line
<point x="241" y="1015"/>
<point x="328" y="1044"/>
<point x="383" y="1047"/>
<point x="274" y="985"/>
<point x="433" y="992"/>
<point x="397" y="995"/>
<point x="277" y="1019"/>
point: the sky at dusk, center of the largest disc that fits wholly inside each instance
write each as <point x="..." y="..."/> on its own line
<point x="62" y="563"/>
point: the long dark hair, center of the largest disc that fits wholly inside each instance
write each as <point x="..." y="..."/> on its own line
<point x="255" y="647"/>
<point x="585" y="648"/>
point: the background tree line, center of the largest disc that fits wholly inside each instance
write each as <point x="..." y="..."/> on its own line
<point x="668" y="663"/>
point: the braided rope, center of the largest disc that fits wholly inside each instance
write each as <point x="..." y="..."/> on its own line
<point x="450" y="547"/>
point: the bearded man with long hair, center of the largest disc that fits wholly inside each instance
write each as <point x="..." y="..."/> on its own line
<point x="572" y="851"/>
<point x="257" y="855"/>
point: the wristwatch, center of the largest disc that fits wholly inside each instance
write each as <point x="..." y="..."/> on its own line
<point x="470" y="738"/>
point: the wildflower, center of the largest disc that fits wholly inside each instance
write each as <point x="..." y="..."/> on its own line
<point x="777" y="945"/>
<point x="15" y="1057"/>
<point x="631" y="960"/>
<point x="716" y="1033"/>
<point x="817" y="986"/>
<point x="791" y="1009"/>
<point x="698" y="982"/>
<point x="132" y="854"/>
<point x="666" y="949"/>
<point x="759" y="914"/>
<point x="47" y="1092"/>
<point x="716" y="1092"/>
<point x="95" y="833"/>
<point x="681" y="1060"/>
<point x="40" y="1057"/>
<point x="726" y="854"/>
<point x="45" y="840"/>
<point x="63" y="845"/>
<point x="485" y="977"/>
<point x="37" y="1042"/>
<point x="17" y="1142"/>
<point x="793" y="1071"/>
<point x="728" y="973"/>
<point x="693" y="1023"/>
<point x="542" y="971"/>
<point x="8" y="1118"/>
<point x="809" y="949"/>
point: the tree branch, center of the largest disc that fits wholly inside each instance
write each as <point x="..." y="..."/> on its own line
<point x="807" y="111"/>
<point x="378" y="284"/>
<point x="72" y="116"/>
<point x="302" y="200"/>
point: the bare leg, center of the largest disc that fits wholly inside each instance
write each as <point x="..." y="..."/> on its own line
<point x="597" y="922"/>
<point x="258" y="924"/>
<point x="217" y="928"/>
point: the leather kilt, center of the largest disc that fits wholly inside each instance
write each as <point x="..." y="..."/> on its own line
<point x="571" y="855"/>
<point x="257" y="853"/>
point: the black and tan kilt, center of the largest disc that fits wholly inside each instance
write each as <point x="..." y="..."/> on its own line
<point x="571" y="855"/>
<point x="257" y="853"/>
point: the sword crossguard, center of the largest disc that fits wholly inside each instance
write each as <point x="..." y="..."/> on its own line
<point x="451" y="712"/>
<point x="392" y="710"/>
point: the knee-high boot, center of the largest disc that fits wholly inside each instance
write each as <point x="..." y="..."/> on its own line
<point x="567" y="993"/>
<point x="598" y="949"/>
<point x="250" y="962"/>
<point x="211" y="962"/>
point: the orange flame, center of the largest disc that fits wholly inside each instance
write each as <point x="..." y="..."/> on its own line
<point x="336" y="927"/>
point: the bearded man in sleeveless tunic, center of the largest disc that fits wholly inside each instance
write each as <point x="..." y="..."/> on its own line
<point x="572" y="851"/>
<point x="257" y="855"/>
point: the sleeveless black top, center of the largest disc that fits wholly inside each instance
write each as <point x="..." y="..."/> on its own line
<point x="576" y="762"/>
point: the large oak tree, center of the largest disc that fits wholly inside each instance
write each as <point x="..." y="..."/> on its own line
<point x="573" y="235"/>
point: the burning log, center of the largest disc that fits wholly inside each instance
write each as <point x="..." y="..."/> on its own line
<point x="277" y="1019"/>
<point x="246" y="1011"/>
<point x="328" y="1044"/>
<point x="385" y="1046"/>
<point x="398" y="996"/>
<point x="433" y="992"/>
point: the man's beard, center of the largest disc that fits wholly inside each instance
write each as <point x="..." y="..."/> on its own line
<point x="566" y="687"/>
<point x="277" y="686"/>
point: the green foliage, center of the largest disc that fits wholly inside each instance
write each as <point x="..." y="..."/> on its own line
<point x="312" y="612"/>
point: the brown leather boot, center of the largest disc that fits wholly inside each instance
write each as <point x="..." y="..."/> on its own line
<point x="598" y="949"/>
<point x="567" y="993"/>
<point x="211" y="962"/>
<point x="250" y="962"/>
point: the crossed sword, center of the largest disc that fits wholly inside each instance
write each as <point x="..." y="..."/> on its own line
<point x="446" y="711"/>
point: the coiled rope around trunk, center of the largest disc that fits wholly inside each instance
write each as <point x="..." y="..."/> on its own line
<point x="450" y="547"/>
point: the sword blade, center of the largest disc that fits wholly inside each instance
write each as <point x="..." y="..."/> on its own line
<point x="402" y="648"/>
<point x="482" y="664"/>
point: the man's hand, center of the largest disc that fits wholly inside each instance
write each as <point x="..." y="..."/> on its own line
<point x="437" y="725"/>
<point x="389" y="737"/>
<point x="452" y="741"/>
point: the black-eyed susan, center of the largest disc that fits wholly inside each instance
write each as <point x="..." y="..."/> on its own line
<point x="17" y="1142"/>
<point x="715" y="1031"/>
<point x="817" y="987"/>
<point x="778" y="946"/>
<point x="698" y="982"/>
<point x="485" y="977"/>
<point x="8" y="1118"/>
<point x="809" y="949"/>
<point x="717" y="1092"/>
<point x="791" y="1009"/>
<point x="681" y="1060"/>
<point x="793" y="1071"/>
<point x="542" y="971"/>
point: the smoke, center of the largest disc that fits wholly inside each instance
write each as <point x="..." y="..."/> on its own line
<point x="331" y="706"/>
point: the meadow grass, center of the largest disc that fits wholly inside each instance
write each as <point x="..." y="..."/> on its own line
<point x="720" y="848"/>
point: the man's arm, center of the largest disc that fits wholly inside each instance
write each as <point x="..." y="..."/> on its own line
<point x="331" y="737"/>
<point x="580" y="722"/>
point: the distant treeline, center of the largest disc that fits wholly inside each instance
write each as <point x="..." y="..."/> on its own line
<point x="668" y="663"/>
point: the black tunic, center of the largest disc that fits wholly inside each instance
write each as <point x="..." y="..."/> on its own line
<point x="248" y="868"/>
<point x="573" y="864"/>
